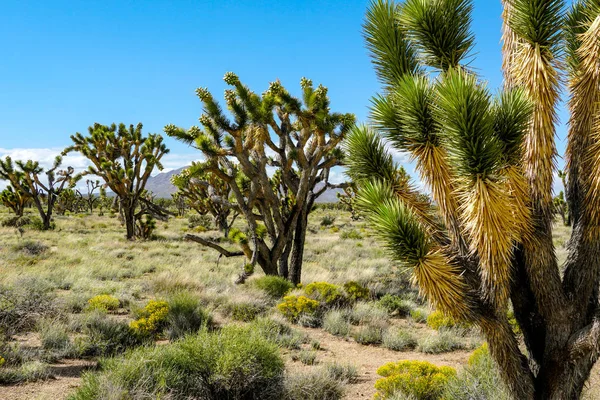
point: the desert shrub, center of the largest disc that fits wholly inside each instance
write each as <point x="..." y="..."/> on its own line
<point x="363" y="313"/>
<point x="30" y="248"/>
<point x="314" y="385"/>
<point x="437" y="320"/>
<point x="197" y="220"/>
<point x="106" y="336"/>
<point x="28" y="372"/>
<point x="327" y="220"/>
<point x="274" y="286"/>
<point x="396" y="305"/>
<point x="479" y="380"/>
<point x="186" y="315"/>
<point x="103" y="302"/>
<point x="293" y="307"/>
<point x="53" y="335"/>
<point x="342" y="372"/>
<point x="419" y="315"/>
<point x="306" y="357"/>
<point x="16" y="222"/>
<point x="37" y="224"/>
<point x="351" y="234"/>
<point x="420" y="379"/>
<point x="327" y="293"/>
<point x="313" y="320"/>
<point x="23" y="304"/>
<point x="355" y="291"/>
<point x="398" y="339"/>
<point x="233" y="363"/>
<point x="278" y="332"/>
<point x="368" y="334"/>
<point x="442" y="342"/>
<point x="244" y="311"/>
<point x="152" y="320"/>
<point x="335" y="323"/>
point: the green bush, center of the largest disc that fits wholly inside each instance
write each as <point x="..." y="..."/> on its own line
<point x="293" y="307"/>
<point x="437" y="320"/>
<point x="368" y="334"/>
<point x="442" y="342"/>
<point x="355" y="291"/>
<point x="23" y="303"/>
<point x="314" y="385"/>
<point x="53" y="335"/>
<point x="351" y="234"/>
<point x="306" y="357"/>
<point x="234" y="363"/>
<point x="327" y="220"/>
<point x="419" y="315"/>
<point x="396" y="305"/>
<point x="28" y="372"/>
<point x="186" y="315"/>
<point x="363" y="313"/>
<point x="398" y="339"/>
<point x="327" y="293"/>
<point x="274" y="286"/>
<point x="278" y="332"/>
<point x="420" y="379"/>
<point x="335" y="323"/>
<point x="103" y="302"/>
<point x="478" y="380"/>
<point x="106" y="336"/>
<point x="244" y="311"/>
<point x="342" y="372"/>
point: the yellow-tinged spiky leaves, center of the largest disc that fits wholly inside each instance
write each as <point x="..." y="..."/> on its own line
<point x="489" y="218"/>
<point x="369" y="161"/>
<point x="537" y="24"/>
<point x="476" y="152"/>
<point x="583" y="149"/>
<point x="407" y="241"/>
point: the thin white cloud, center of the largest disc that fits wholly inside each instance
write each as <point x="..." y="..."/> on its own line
<point x="46" y="156"/>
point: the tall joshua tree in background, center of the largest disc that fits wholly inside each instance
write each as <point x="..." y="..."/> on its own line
<point x="26" y="179"/>
<point x="296" y="138"/>
<point x="124" y="159"/>
<point x="489" y="162"/>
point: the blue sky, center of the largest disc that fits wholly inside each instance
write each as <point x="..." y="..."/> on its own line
<point x="69" y="63"/>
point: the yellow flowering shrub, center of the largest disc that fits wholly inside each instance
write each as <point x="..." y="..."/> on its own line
<point x="356" y="291"/>
<point x="294" y="306"/>
<point x="152" y="318"/>
<point x="103" y="302"/>
<point x="2" y="361"/>
<point x="328" y="293"/>
<point x="420" y="379"/>
<point x="438" y="319"/>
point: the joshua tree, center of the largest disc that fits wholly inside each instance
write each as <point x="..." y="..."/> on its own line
<point x="489" y="162"/>
<point x="197" y="186"/>
<point x="91" y="188"/>
<point x="14" y="199"/>
<point x="124" y="159"/>
<point x="298" y="139"/>
<point x="25" y="179"/>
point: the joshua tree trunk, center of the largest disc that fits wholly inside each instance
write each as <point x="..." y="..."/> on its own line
<point x="298" y="242"/>
<point x="128" y="212"/>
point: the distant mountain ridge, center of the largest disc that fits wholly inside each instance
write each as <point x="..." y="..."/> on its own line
<point x="162" y="187"/>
